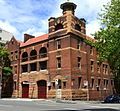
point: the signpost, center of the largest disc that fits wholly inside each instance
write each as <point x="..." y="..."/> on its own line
<point x="58" y="91"/>
<point x="86" y="85"/>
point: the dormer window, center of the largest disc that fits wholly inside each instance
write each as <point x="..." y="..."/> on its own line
<point x="78" y="27"/>
<point x="58" y="27"/>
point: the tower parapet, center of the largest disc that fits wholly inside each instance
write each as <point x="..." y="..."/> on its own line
<point x="67" y="23"/>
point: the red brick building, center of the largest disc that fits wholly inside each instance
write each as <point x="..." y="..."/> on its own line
<point x="60" y="61"/>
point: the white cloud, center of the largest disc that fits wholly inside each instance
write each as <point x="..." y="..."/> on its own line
<point x="8" y="27"/>
<point x="92" y="27"/>
<point x="34" y="32"/>
<point x="31" y="16"/>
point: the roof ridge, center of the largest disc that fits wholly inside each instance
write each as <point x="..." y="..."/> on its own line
<point x="34" y="40"/>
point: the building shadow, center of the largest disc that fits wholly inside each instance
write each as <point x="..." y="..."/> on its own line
<point x="7" y="88"/>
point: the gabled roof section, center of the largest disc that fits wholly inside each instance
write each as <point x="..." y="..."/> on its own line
<point x="34" y="40"/>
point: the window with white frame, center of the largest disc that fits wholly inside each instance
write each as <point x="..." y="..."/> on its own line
<point x="79" y="82"/>
<point x="92" y="84"/>
<point x="58" y="62"/>
<point x="103" y="68"/>
<point x="79" y="62"/>
<point x="78" y="44"/>
<point x="98" y="67"/>
<point x="99" y="82"/>
<point x="106" y="69"/>
<point x="92" y="65"/>
<point x="91" y="50"/>
<point x="59" y="44"/>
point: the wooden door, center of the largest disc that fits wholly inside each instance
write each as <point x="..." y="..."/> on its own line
<point x="42" y="88"/>
<point x="25" y="90"/>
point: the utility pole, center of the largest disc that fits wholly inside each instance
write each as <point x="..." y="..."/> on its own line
<point x="0" y="81"/>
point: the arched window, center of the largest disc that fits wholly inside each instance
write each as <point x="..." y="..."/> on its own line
<point x="43" y="52"/>
<point x="24" y="56"/>
<point x="58" y="27"/>
<point x="33" y="55"/>
<point x="78" y="27"/>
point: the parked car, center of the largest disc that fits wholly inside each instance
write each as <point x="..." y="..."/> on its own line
<point x="112" y="99"/>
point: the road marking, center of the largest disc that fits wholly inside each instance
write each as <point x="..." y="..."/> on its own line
<point x="105" y="107"/>
<point x="70" y="109"/>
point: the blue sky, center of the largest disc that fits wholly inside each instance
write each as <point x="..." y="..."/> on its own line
<point x="31" y="16"/>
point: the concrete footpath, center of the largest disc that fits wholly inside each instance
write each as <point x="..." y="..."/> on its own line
<point x="50" y="100"/>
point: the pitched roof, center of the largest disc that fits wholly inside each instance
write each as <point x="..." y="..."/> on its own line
<point x="34" y="40"/>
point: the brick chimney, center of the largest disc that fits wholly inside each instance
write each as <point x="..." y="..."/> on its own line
<point x="27" y="37"/>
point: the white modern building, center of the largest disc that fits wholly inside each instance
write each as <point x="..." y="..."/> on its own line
<point x="5" y="36"/>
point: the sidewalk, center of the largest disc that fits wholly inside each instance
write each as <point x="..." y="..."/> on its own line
<point x="22" y="99"/>
<point x="51" y="100"/>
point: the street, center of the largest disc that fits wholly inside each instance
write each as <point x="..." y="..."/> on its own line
<point x="52" y="105"/>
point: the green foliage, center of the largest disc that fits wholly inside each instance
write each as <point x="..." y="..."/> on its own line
<point x="3" y="52"/>
<point x="7" y="71"/>
<point x="108" y="38"/>
<point x="89" y="42"/>
<point x="5" y="62"/>
<point x="3" y="55"/>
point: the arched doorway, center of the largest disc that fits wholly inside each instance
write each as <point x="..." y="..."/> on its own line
<point x="25" y="90"/>
<point x="42" y="89"/>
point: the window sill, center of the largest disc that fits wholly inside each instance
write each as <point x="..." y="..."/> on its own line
<point x="24" y="72"/>
<point x="33" y="71"/>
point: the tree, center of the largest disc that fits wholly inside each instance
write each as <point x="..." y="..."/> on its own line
<point x="108" y="39"/>
<point x="5" y="70"/>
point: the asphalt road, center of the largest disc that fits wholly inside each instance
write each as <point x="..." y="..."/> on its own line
<point x="52" y="105"/>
